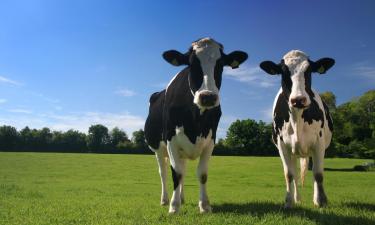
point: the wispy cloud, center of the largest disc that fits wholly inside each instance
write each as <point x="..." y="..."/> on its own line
<point x="252" y="75"/>
<point x="3" y="100"/>
<point x="126" y="92"/>
<point x="365" y="69"/>
<point x="24" y="111"/>
<point x="43" y="97"/>
<point x="9" y="81"/>
<point x="266" y="114"/>
<point x="78" y="121"/>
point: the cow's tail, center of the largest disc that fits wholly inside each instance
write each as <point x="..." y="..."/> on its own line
<point x="304" y="164"/>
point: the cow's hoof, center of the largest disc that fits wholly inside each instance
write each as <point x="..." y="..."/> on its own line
<point x="321" y="201"/>
<point x="204" y="207"/>
<point x="173" y="210"/>
<point x="288" y="201"/>
<point x="174" y="207"/>
<point x="164" y="202"/>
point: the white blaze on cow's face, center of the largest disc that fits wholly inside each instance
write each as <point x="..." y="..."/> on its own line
<point x="208" y="52"/>
<point x="297" y="63"/>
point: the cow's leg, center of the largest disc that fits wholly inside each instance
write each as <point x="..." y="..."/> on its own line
<point x="320" y="198"/>
<point x="161" y="156"/>
<point x="289" y="164"/>
<point x="178" y="173"/>
<point x="202" y="173"/>
<point x="182" y="192"/>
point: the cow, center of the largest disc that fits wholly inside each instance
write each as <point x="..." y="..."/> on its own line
<point x="302" y="125"/>
<point x="183" y="118"/>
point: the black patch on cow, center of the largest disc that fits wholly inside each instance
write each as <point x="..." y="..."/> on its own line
<point x="313" y="112"/>
<point x="286" y="80"/>
<point x="154" y="126"/>
<point x="203" y="178"/>
<point x="280" y="115"/>
<point x="176" y="178"/>
<point x="318" y="177"/>
<point x="328" y="116"/>
<point x="322" y="198"/>
<point x="289" y="177"/>
<point x="196" y="73"/>
<point x="320" y="133"/>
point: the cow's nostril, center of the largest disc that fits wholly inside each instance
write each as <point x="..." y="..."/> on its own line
<point x="208" y="99"/>
<point x="298" y="102"/>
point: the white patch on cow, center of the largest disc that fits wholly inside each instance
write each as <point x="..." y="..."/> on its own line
<point x="208" y="52"/>
<point x="297" y="63"/>
<point x="162" y="159"/>
<point x="186" y="148"/>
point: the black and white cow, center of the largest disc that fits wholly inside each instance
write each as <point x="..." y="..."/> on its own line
<point x="302" y="125"/>
<point x="183" y="118"/>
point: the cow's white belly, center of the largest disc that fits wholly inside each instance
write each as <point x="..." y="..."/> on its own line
<point x="187" y="149"/>
<point x="303" y="140"/>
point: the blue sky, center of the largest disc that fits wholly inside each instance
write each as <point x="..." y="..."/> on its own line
<point x="70" y="64"/>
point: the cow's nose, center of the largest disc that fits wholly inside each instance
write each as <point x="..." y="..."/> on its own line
<point x="298" y="102"/>
<point x="207" y="99"/>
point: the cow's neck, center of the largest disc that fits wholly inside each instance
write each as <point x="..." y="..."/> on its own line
<point x="296" y="122"/>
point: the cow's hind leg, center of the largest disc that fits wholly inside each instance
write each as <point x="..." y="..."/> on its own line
<point x="289" y="164"/>
<point x="162" y="158"/>
<point x="202" y="174"/>
<point x="178" y="173"/>
<point x="320" y="198"/>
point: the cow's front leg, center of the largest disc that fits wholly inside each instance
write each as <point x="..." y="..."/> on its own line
<point x="178" y="174"/>
<point x="289" y="164"/>
<point x="202" y="173"/>
<point x="161" y="156"/>
<point x="320" y="198"/>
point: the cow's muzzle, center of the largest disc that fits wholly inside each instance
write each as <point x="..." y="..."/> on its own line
<point x="208" y="99"/>
<point x="299" y="102"/>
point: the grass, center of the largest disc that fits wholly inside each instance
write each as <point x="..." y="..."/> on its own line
<point x="48" y="188"/>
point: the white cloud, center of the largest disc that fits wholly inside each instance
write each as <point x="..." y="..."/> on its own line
<point x="126" y="92"/>
<point x="78" y="121"/>
<point x="3" y="100"/>
<point x="252" y="75"/>
<point x="9" y="81"/>
<point x="365" y="69"/>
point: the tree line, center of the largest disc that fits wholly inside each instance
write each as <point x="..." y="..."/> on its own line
<point x="353" y="136"/>
<point x="98" y="140"/>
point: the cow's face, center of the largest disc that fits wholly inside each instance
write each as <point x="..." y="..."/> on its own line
<point x="295" y="69"/>
<point x="206" y="60"/>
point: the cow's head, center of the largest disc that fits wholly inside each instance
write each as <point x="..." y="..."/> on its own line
<point x="206" y="60"/>
<point x="295" y="69"/>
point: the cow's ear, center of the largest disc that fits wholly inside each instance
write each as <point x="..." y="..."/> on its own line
<point x="176" y="58"/>
<point x="234" y="59"/>
<point x="323" y="65"/>
<point x="270" y="67"/>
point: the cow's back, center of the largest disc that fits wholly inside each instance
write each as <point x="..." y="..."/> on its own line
<point x="154" y="122"/>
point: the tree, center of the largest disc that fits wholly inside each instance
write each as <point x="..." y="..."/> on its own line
<point x="139" y="139"/>
<point x="330" y="99"/>
<point x="8" y="138"/>
<point x="98" y="138"/>
<point x="118" y="136"/>
<point x="250" y="137"/>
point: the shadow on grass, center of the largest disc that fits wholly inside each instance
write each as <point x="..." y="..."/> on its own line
<point x="361" y="206"/>
<point x="340" y="169"/>
<point x="261" y="209"/>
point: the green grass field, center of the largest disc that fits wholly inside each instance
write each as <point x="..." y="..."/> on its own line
<point x="48" y="188"/>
